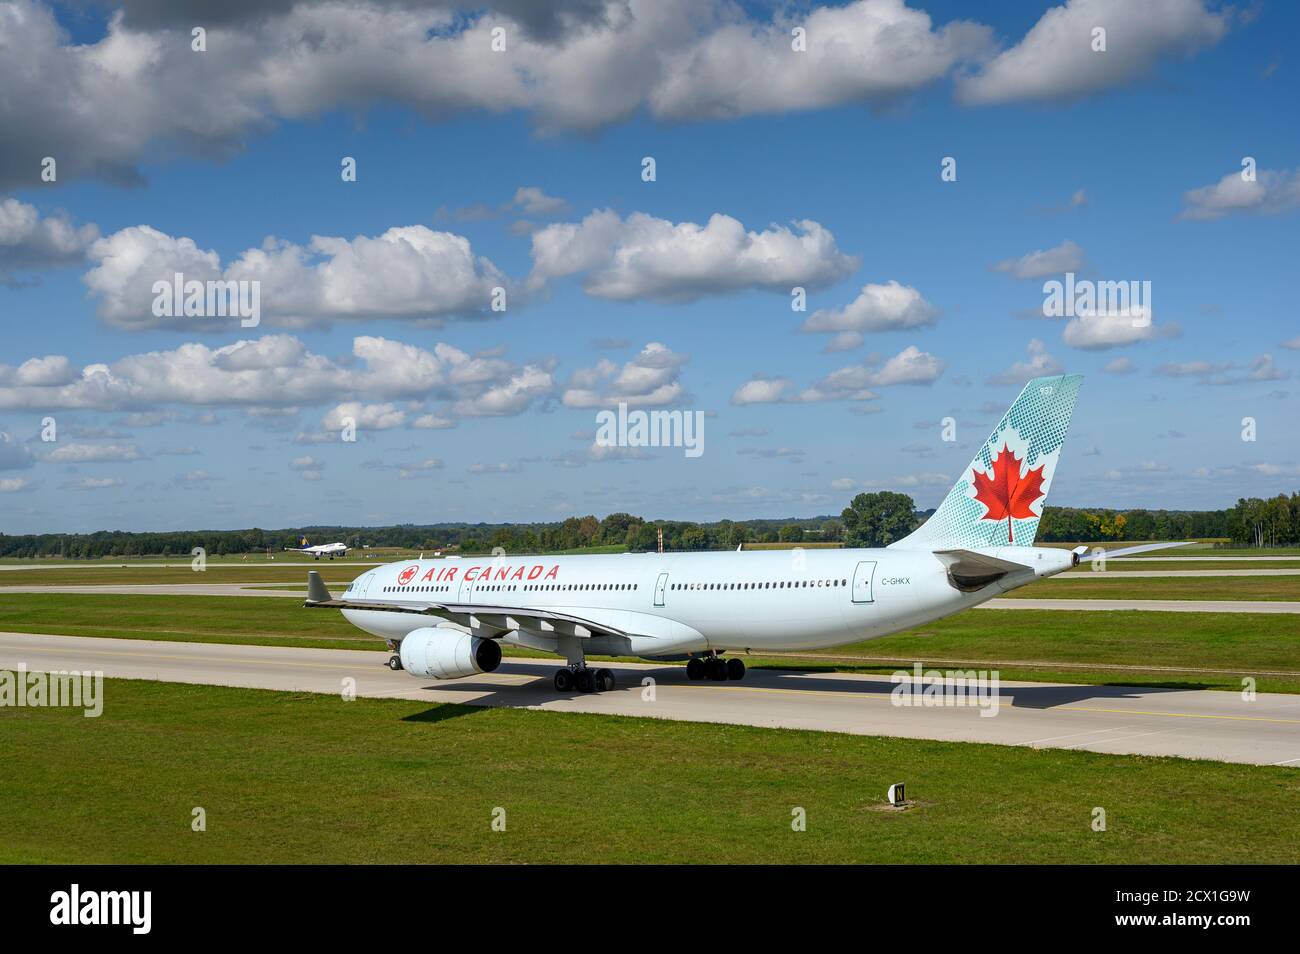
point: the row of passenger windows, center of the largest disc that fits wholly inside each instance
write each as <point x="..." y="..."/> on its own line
<point x="553" y="587"/>
<point x="509" y="587"/>
<point x="769" y="585"/>
<point x="556" y="587"/>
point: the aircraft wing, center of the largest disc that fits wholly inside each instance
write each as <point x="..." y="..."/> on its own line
<point x="503" y="618"/>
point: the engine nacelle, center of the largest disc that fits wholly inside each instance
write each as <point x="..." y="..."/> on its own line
<point x="447" y="653"/>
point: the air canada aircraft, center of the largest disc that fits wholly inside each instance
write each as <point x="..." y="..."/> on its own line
<point x="330" y="550"/>
<point x="448" y="618"/>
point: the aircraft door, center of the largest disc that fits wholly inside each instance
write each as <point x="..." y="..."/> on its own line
<point x="660" y="586"/>
<point x="862" y="582"/>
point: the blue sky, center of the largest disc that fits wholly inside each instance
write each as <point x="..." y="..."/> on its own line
<point x="831" y="168"/>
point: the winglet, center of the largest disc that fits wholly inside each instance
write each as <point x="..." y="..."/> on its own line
<point x="317" y="592"/>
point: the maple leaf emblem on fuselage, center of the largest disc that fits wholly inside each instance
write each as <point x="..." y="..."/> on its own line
<point x="1006" y="494"/>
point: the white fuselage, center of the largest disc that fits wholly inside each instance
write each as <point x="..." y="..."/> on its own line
<point x="323" y="549"/>
<point x="676" y="603"/>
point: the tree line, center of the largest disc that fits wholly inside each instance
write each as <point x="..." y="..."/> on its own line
<point x="876" y="519"/>
<point x="1266" y="523"/>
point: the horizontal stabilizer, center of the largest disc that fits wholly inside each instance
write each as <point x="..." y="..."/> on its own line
<point x="970" y="570"/>
<point x="1130" y="551"/>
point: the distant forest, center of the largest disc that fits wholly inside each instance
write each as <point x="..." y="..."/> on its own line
<point x="870" y="520"/>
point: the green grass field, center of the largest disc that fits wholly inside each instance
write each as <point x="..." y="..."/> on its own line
<point x="1127" y="647"/>
<point x="1129" y="566"/>
<point x="1114" y="586"/>
<point x="1080" y="646"/>
<point x="1232" y="551"/>
<point x="287" y="778"/>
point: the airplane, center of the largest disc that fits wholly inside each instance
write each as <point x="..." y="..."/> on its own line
<point x="330" y="550"/>
<point x="448" y="618"/>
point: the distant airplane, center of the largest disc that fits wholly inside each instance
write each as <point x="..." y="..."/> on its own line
<point x="330" y="550"/>
<point x="448" y="618"/>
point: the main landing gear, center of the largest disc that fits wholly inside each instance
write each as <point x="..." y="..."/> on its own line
<point x="577" y="675"/>
<point x="715" y="668"/>
<point x="395" y="663"/>
<point x="584" y="679"/>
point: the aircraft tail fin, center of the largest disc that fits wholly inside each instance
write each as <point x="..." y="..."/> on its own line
<point x="999" y="498"/>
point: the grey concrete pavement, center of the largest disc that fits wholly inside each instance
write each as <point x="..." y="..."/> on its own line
<point x="1196" y="724"/>
<point x="316" y="564"/>
<point x="158" y="589"/>
<point x="1227" y="559"/>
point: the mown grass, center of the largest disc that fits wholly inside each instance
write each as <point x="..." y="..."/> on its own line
<point x="258" y="621"/>
<point x="1093" y="647"/>
<point x="1161" y="566"/>
<point x="1108" y="586"/>
<point x="296" y="778"/>
<point x="1136" y="642"/>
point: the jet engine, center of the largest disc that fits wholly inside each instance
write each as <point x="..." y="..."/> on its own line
<point x="447" y="654"/>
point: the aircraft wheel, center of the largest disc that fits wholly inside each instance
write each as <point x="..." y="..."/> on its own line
<point x="695" y="668"/>
<point x="564" y="680"/>
<point x="735" y="669"/>
<point x="605" y="681"/>
<point x="717" y="669"/>
<point x="586" y="680"/>
<point x="395" y="663"/>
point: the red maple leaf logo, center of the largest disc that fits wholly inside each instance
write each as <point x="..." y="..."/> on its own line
<point x="1006" y="494"/>
<point x="407" y="575"/>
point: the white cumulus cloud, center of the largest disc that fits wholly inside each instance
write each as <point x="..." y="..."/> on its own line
<point x="648" y="380"/>
<point x="884" y="307"/>
<point x="643" y="257"/>
<point x="1269" y="193"/>
<point x="1114" y="330"/>
<point x="1066" y="257"/>
<point x="1056" y="59"/>
<point x="408" y="272"/>
<point x="30" y="242"/>
<point x="1040" y="363"/>
<point x="278" y="373"/>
